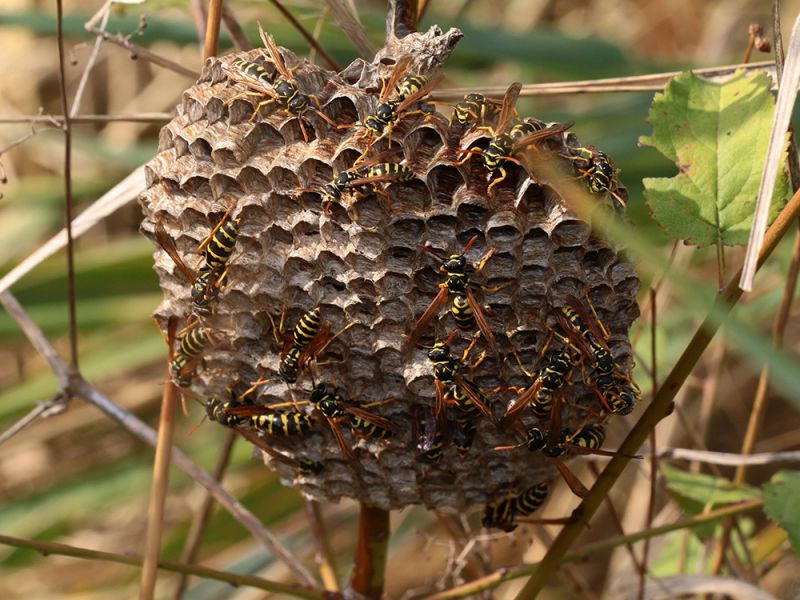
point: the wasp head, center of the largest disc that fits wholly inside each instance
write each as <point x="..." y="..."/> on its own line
<point x="439" y="352"/>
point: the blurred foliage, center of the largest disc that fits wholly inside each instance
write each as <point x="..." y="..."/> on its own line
<point x="780" y="504"/>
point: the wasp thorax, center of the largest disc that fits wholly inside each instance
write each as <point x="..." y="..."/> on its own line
<point x="239" y="147"/>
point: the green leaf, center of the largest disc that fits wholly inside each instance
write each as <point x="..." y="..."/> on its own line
<point x="780" y="504"/>
<point x="705" y="489"/>
<point x="717" y="135"/>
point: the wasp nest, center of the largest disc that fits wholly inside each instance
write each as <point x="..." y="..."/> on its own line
<point x="363" y="265"/>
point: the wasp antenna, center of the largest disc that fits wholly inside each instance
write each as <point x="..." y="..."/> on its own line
<point x="449" y="339"/>
<point x="469" y="244"/>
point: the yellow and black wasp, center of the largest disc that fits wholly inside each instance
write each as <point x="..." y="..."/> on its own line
<point x="505" y="514"/>
<point x="465" y="308"/>
<point x="452" y="388"/>
<point x="550" y="378"/>
<point x="475" y="110"/>
<point x="308" y="338"/>
<point x="263" y="418"/>
<point x="587" y="333"/>
<point x="408" y="90"/>
<point x="507" y="140"/>
<point x="595" y="166"/>
<point x="428" y="435"/>
<point x="367" y="176"/>
<point x="331" y="404"/>
<point x="190" y="346"/>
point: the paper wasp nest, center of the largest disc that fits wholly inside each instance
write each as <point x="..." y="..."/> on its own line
<point x="368" y="269"/>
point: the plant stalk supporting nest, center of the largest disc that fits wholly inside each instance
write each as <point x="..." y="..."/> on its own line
<point x="370" y="560"/>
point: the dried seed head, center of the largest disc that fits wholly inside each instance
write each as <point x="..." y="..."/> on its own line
<point x="369" y="270"/>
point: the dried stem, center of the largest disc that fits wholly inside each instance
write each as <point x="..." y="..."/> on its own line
<point x="238" y="35"/>
<point x="401" y="19"/>
<point x="370" y="559"/>
<point x="42" y="411"/>
<point x="212" y="29"/>
<point x="62" y="84"/>
<point x="308" y="37"/>
<point x="144" y="53"/>
<point x="635" y="83"/>
<point x="494" y="580"/>
<point x="98" y="43"/>
<point x="201" y="518"/>
<point x="327" y="568"/>
<point x="200" y="17"/>
<point x="658" y="408"/>
<point x="80" y="388"/>
<point x="158" y="492"/>
<point x="728" y="459"/>
<point x="48" y="548"/>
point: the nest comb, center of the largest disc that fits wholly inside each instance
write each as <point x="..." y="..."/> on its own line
<point x="369" y="269"/>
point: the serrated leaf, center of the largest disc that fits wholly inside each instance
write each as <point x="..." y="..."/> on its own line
<point x="706" y="490"/>
<point x="780" y="504"/>
<point x="717" y="135"/>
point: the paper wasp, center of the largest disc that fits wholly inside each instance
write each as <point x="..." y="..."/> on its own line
<point x="309" y="338"/>
<point x="466" y="310"/>
<point x="428" y="435"/>
<point x="474" y="110"/>
<point x="190" y="346"/>
<point x="368" y="175"/>
<point x="553" y="376"/>
<point x="332" y="405"/>
<point x="265" y="419"/>
<point x="452" y="388"/>
<point x="408" y="90"/>
<point x="504" y="514"/>
<point x="596" y="167"/>
<point x="507" y="140"/>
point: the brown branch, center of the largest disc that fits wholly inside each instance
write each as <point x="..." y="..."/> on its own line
<point x="308" y="37"/>
<point x="370" y="559"/>
<point x="144" y="53"/>
<point x="212" y="28"/>
<point x="158" y="492"/>
<point x="236" y="580"/>
<point x="324" y="556"/>
<point x="635" y="83"/>
<point x="103" y="16"/>
<point x="401" y="19"/>
<point x="658" y="408"/>
<point x="62" y="84"/>
<point x="202" y="516"/>
<point x="199" y="17"/>
<point x="235" y="30"/>
<point x="43" y="410"/>
<point x="78" y="387"/>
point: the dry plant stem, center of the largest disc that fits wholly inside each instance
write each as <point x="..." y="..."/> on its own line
<point x="658" y="408"/>
<point x="327" y="568"/>
<point x="634" y="83"/>
<point x="236" y="580"/>
<point x="73" y="322"/>
<point x="98" y="42"/>
<point x="307" y="36"/>
<point x="778" y="329"/>
<point x="149" y="117"/>
<point x="503" y="575"/>
<point x="201" y="517"/>
<point x="422" y="6"/>
<point x="352" y="28"/>
<point x="200" y="18"/>
<point x="80" y="388"/>
<point x="158" y="492"/>
<point x="43" y="410"/>
<point x="235" y="30"/>
<point x="212" y="29"/>
<point x="145" y="54"/>
<point x="370" y="559"/>
<point x="728" y="459"/>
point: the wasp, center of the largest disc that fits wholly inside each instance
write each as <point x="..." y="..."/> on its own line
<point x="261" y="418"/>
<point x="618" y="393"/>
<point x="190" y="346"/>
<point x="507" y="140"/>
<point x="465" y="308"/>
<point x="254" y="70"/>
<point x="452" y="388"/>
<point x="408" y="90"/>
<point x="539" y="396"/>
<point x="463" y="434"/>
<point x="332" y="405"/>
<point x="362" y="177"/>
<point x="474" y="110"/>
<point x="309" y="338"/>
<point x="504" y="514"/>
<point x="595" y="166"/>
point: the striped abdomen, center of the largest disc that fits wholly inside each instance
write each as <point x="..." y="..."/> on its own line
<point x="307" y="328"/>
<point x="462" y="313"/>
<point x="253" y="70"/>
<point x="220" y="247"/>
<point x="283" y="424"/>
<point x="367" y="429"/>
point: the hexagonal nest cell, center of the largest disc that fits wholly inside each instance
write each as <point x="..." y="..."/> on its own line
<point x="361" y="263"/>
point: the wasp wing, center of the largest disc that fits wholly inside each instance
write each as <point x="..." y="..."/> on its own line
<point x="165" y="241"/>
<point x="536" y="136"/>
<point x="475" y="395"/>
<point x="400" y="69"/>
<point x="507" y="110"/>
<point x="275" y="54"/>
<point x="483" y="324"/>
<point x="433" y="309"/>
<point x="419" y="94"/>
